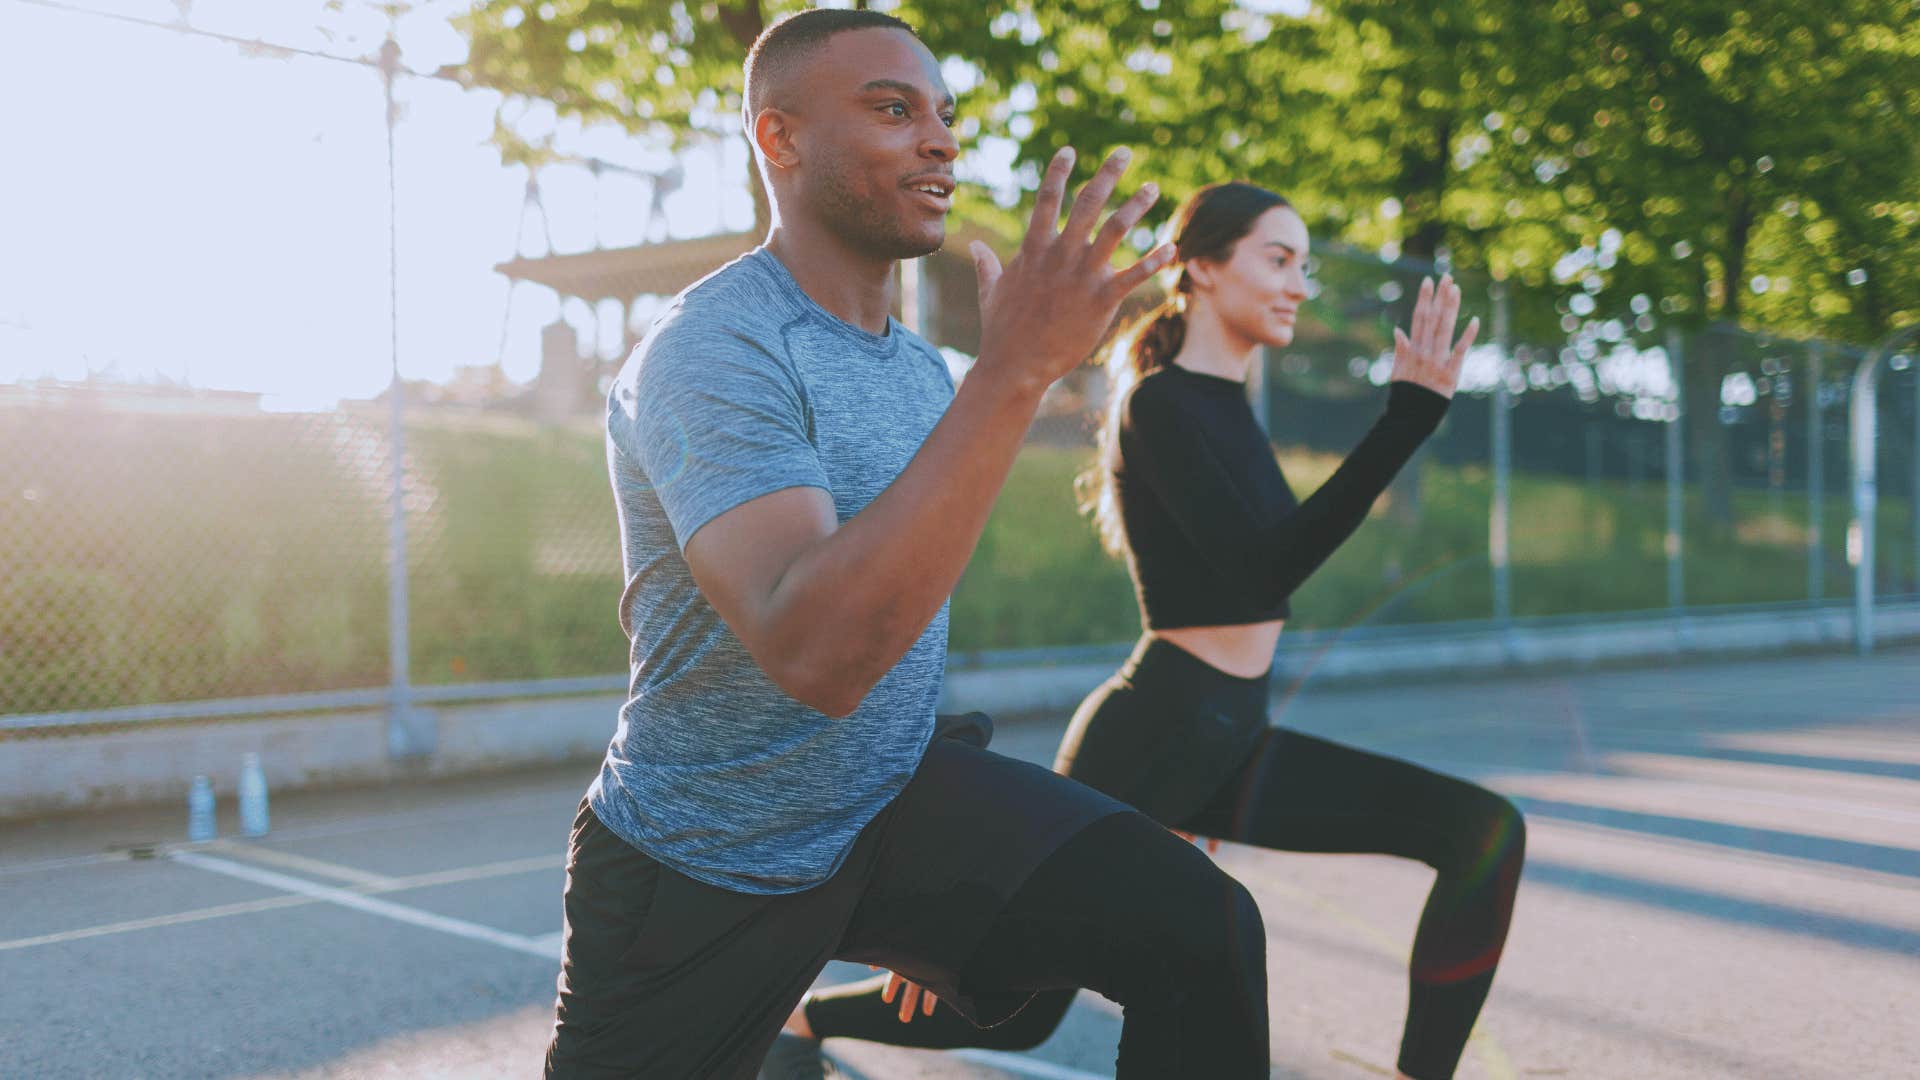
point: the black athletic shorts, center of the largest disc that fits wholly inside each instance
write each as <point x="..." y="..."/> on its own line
<point x="664" y="976"/>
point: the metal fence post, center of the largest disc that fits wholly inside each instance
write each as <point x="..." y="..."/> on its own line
<point x="1862" y="420"/>
<point x="1676" y="505"/>
<point x="1499" y="512"/>
<point x="409" y="732"/>
<point x="1816" y="473"/>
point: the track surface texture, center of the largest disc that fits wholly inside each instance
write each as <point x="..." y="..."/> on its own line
<point x="1723" y="881"/>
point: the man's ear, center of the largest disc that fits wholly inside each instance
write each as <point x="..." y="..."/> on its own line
<point x="773" y="135"/>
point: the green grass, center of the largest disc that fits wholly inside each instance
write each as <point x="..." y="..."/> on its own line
<point x="175" y="558"/>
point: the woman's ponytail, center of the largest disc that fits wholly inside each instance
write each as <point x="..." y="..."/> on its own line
<point x="1148" y="345"/>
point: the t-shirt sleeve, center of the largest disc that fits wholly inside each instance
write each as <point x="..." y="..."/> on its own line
<point x="1273" y="548"/>
<point x="713" y="419"/>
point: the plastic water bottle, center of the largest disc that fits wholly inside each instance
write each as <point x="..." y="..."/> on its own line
<point x="253" y="797"/>
<point x="200" y="824"/>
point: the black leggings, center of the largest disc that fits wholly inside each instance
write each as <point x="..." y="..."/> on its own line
<point x="1189" y="745"/>
<point x="1193" y="989"/>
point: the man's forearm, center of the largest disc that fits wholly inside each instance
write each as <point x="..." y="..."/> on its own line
<point x="852" y="605"/>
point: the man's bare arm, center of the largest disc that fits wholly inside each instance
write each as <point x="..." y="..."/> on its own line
<point x="827" y="611"/>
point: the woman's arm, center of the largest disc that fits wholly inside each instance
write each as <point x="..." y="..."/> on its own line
<point x="1276" y="548"/>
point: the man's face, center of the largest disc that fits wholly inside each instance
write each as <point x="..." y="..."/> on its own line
<point x="872" y="126"/>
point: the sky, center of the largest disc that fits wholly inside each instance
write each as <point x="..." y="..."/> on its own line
<point x="190" y="212"/>
<point x="193" y="212"/>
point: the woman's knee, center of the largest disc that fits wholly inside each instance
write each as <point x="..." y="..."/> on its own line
<point x="1506" y="831"/>
<point x="1488" y="835"/>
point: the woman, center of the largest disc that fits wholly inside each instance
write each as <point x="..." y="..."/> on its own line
<point x="1190" y="495"/>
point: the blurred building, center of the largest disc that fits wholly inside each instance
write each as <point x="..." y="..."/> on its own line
<point x="107" y="396"/>
<point x="938" y="297"/>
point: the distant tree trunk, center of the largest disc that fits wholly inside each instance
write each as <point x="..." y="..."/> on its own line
<point x="1712" y="361"/>
<point x="745" y="21"/>
<point x="1710" y="456"/>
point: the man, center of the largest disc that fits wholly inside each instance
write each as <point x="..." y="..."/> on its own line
<point x="799" y="488"/>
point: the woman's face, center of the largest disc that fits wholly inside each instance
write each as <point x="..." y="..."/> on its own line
<point x="1257" y="291"/>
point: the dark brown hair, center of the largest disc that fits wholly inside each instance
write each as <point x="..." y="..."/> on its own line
<point x="1207" y="226"/>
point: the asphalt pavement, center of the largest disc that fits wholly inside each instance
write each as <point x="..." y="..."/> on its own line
<point x="1723" y="881"/>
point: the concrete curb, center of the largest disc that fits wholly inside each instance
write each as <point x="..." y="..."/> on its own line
<point x="86" y="769"/>
<point x="1334" y="658"/>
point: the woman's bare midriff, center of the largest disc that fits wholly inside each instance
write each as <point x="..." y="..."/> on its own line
<point x="1245" y="651"/>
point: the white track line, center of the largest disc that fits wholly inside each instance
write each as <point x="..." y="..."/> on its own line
<point x="157" y="921"/>
<point x="546" y="946"/>
<point x="421" y="881"/>
<point x="287" y="859"/>
<point x="64" y="862"/>
<point x="485" y="870"/>
<point x="553" y="943"/>
<point x="360" y="902"/>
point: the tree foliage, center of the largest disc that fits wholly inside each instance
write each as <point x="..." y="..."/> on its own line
<point x="1689" y="160"/>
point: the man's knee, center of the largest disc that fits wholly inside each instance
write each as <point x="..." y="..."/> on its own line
<point x="1233" y="935"/>
<point x="1212" y="927"/>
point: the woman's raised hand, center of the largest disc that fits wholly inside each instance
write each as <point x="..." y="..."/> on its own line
<point x="1425" y="353"/>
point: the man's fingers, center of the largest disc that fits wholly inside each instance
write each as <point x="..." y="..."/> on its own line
<point x="986" y="269"/>
<point x="1121" y="222"/>
<point x="1129" y="279"/>
<point x="1093" y="197"/>
<point x="907" y="1001"/>
<point x="927" y="1001"/>
<point x="1046" y="206"/>
<point x="1402" y="345"/>
<point x="893" y="986"/>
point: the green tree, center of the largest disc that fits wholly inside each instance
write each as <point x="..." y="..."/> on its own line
<point x="1750" y="162"/>
<point x="1679" y="164"/>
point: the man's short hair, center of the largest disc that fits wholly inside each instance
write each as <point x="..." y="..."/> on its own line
<point x="780" y="48"/>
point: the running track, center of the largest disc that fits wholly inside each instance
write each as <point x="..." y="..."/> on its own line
<point x="1723" y="881"/>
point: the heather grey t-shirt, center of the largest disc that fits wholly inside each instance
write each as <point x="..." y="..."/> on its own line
<point x="746" y="387"/>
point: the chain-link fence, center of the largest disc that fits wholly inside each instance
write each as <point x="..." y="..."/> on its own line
<point x="162" y="543"/>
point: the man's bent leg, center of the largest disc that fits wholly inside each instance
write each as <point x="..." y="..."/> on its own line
<point x="666" y="977"/>
<point x="1135" y="913"/>
<point x="997" y="878"/>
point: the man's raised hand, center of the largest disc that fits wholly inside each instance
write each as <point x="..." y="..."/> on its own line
<point x="1047" y="310"/>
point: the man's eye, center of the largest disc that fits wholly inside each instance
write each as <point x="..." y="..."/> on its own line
<point x="897" y="109"/>
<point x="948" y="119"/>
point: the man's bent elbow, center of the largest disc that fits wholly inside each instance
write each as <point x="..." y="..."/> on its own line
<point x="819" y="689"/>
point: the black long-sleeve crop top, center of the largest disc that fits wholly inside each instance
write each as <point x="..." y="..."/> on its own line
<point x="1214" y="535"/>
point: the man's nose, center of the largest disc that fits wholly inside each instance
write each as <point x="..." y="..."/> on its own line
<point x="939" y="142"/>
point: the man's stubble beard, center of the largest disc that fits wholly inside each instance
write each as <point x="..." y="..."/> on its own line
<point x="859" y="220"/>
